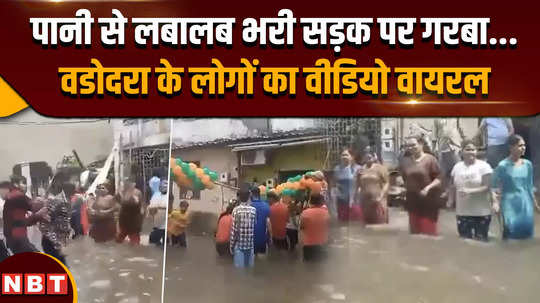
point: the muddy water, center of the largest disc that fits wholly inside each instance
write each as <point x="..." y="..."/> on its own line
<point x="374" y="264"/>
<point x="114" y="272"/>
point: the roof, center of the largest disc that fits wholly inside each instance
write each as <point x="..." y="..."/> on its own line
<point x="259" y="138"/>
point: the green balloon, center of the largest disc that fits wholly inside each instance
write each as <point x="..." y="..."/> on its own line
<point x="213" y="175"/>
<point x="197" y="184"/>
<point x="191" y="174"/>
<point x="206" y="171"/>
<point x="185" y="168"/>
<point x="178" y="161"/>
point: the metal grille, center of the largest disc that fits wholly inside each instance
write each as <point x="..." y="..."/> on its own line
<point x="147" y="159"/>
<point x="353" y="133"/>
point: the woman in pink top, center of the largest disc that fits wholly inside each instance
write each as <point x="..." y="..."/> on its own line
<point x="314" y="223"/>
<point x="224" y="231"/>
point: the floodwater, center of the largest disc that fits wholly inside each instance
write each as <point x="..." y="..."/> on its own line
<point x="111" y="272"/>
<point x="372" y="264"/>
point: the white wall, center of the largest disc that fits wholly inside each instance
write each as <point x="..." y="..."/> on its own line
<point x="147" y="133"/>
<point x="219" y="159"/>
<point x="29" y="143"/>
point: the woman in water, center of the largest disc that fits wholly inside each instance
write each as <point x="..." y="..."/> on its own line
<point x="421" y="172"/>
<point x="469" y="182"/>
<point x="513" y="179"/>
<point x="345" y="180"/>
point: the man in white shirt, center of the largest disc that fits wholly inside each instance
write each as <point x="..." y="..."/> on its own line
<point x="158" y="211"/>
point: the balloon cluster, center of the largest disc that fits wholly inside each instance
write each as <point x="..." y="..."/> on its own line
<point x="300" y="183"/>
<point x="189" y="175"/>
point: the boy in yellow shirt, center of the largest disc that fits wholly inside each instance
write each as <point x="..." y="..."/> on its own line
<point x="178" y="222"/>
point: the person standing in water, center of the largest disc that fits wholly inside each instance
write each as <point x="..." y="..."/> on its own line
<point x="421" y="172"/>
<point x="513" y="192"/>
<point x="470" y="183"/>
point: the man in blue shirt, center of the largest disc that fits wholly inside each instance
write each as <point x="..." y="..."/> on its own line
<point x="262" y="223"/>
<point x="498" y="130"/>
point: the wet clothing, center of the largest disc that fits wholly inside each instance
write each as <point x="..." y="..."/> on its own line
<point x="470" y="176"/>
<point x="244" y="257"/>
<point x="279" y="215"/>
<point x="103" y="230"/>
<point x="345" y="178"/>
<point x="261" y="233"/>
<point x="315" y="224"/>
<point x="50" y="248"/>
<point x="517" y="202"/>
<point x="57" y="231"/>
<point x="224" y="229"/>
<point x="423" y="211"/>
<point x="77" y="203"/>
<point x="15" y="218"/>
<point x="473" y="227"/>
<point x="180" y="240"/>
<point x="130" y="218"/>
<point x="178" y="222"/>
<point x="243" y="227"/>
<point x="422" y="224"/>
<point x="372" y="183"/>
<point x="223" y="249"/>
<point x="314" y="253"/>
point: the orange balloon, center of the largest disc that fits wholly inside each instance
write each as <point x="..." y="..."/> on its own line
<point x="177" y="171"/>
<point x="173" y="163"/>
<point x="205" y="179"/>
<point x="303" y="184"/>
<point x="199" y="172"/>
<point x="316" y="188"/>
<point x="210" y="185"/>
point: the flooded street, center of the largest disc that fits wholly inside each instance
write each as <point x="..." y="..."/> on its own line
<point x="114" y="273"/>
<point x="373" y="264"/>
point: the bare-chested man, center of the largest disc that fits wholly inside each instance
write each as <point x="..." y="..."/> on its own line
<point x="101" y="212"/>
<point x="131" y="213"/>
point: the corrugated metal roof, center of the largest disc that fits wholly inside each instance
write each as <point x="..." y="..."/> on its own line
<point x="259" y="137"/>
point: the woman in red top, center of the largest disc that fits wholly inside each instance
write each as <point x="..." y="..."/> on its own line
<point x="421" y="173"/>
<point x="223" y="232"/>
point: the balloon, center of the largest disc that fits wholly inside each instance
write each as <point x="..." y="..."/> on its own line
<point x="199" y="172"/>
<point x="205" y="179"/>
<point x="179" y="161"/>
<point x="316" y="188"/>
<point x="178" y="171"/>
<point x="213" y="175"/>
<point x="193" y="166"/>
<point x="185" y="167"/>
<point x="172" y="163"/>
<point x="303" y="184"/>
<point x="197" y="184"/>
<point x="191" y="174"/>
<point x="210" y="185"/>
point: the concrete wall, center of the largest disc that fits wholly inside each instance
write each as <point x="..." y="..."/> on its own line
<point x="146" y="133"/>
<point x="300" y="157"/>
<point x="50" y="143"/>
<point x="219" y="159"/>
